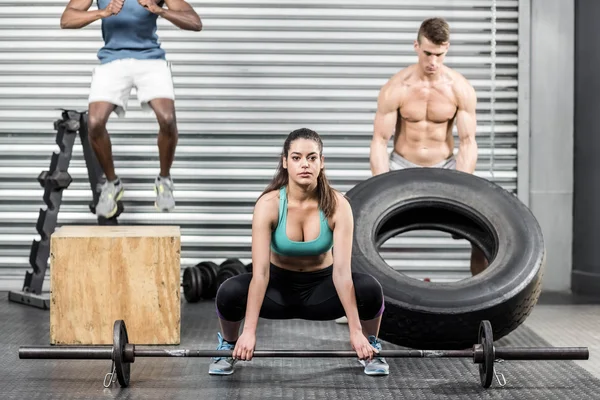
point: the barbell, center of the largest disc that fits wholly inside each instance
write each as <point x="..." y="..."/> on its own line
<point x="122" y="353"/>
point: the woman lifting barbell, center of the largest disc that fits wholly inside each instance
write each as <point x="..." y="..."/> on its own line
<point x="297" y="273"/>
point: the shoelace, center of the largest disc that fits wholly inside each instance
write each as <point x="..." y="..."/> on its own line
<point x="222" y="346"/>
<point x="376" y="344"/>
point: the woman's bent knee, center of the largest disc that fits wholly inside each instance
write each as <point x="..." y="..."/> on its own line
<point x="232" y="297"/>
<point x="369" y="296"/>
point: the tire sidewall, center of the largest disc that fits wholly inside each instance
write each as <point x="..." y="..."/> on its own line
<point x="518" y="261"/>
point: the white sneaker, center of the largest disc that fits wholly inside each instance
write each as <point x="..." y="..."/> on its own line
<point x="163" y="187"/>
<point x="111" y="193"/>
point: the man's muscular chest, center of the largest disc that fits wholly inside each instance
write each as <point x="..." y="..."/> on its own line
<point x="428" y="103"/>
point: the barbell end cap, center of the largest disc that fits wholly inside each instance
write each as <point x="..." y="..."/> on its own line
<point x="478" y="354"/>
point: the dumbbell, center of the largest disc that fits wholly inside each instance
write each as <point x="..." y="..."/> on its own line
<point x="203" y="280"/>
<point x="209" y="271"/>
<point x="200" y="281"/>
<point x="192" y="284"/>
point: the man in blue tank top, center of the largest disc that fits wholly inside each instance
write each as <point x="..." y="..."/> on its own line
<point x="131" y="58"/>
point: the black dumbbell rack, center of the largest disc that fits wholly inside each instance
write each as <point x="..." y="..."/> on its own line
<point x="54" y="181"/>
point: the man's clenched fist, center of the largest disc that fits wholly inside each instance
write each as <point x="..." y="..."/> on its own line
<point x="151" y="6"/>
<point x="113" y="8"/>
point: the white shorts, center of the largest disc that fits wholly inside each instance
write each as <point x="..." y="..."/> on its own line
<point x="112" y="82"/>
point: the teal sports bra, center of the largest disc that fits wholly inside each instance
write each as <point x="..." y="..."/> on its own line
<point x="280" y="243"/>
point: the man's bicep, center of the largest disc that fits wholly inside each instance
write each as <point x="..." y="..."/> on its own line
<point x="466" y="124"/>
<point x="386" y="116"/>
<point x="178" y="5"/>
<point x="466" y="118"/>
<point x="384" y="125"/>
<point x="80" y="5"/>
<point x="468" y="99"/>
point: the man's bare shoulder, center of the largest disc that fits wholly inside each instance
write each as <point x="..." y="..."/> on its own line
<point x="403" y="77"/>
<point x="460" y="84"/>
<point x="391" y="93"/>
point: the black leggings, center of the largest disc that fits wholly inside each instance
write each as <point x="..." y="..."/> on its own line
<point x="303" y="295"/>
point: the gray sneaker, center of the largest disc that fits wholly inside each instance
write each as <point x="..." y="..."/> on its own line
<point x="378" y="365"/>
<point x="163" y="187"/>
<point x="110" y="194"/>
<point x="222" y="365"/>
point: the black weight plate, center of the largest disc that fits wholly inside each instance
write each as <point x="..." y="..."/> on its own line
<point x="190" y="285"/>
<point x="212" y="268"/>
<point x="209" y="271"/>
<point x="204" y="280"/>
<point x="199" y="282"/>
<point x="231" y="262"/>
<point x="239" y="269"/>
<point x="249" y="267"/>
<point x="486" y="368"/>
<point x="235" y="265"/>
<point x="229" y="268"/>
<point x="120" y="339"/>
<point x="224" y="274"/>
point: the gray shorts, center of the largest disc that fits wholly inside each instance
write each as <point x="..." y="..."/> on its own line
<point x="398" y="162"/>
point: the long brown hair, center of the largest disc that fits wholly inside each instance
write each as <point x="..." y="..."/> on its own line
<point x="325" y="193"/>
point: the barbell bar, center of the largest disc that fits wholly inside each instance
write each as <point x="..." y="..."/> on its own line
<point x="105" y="353"/>
<point x="123" y="353"/>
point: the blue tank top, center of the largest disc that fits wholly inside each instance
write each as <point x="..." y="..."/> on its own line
<point x="281" y="244"/>
<point x="129" y="34"/>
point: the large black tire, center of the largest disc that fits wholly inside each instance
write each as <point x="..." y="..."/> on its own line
<point x="429" y="315"/>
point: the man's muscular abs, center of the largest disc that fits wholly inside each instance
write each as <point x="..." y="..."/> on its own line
<point x="426" y="111"/>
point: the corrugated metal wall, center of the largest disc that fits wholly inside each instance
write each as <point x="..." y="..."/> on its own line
<point x="258" y="70"/>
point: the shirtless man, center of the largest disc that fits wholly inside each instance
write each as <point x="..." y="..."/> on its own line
<point x="419" y="106"/>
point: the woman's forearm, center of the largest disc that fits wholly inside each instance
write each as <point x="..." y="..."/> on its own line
<point x="345" y="289"/>
<point x="256" y="295"/>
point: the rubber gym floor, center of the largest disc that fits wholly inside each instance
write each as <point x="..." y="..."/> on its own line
<point x="557" y="320"/>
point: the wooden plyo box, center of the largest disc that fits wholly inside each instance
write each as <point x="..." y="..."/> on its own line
<point x="99" y="274"/>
